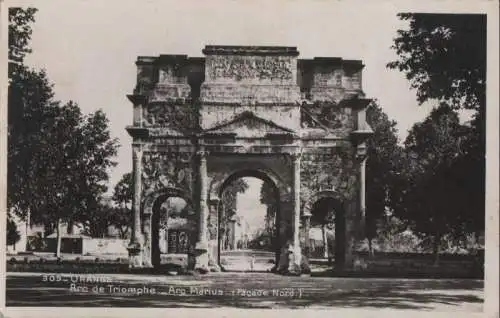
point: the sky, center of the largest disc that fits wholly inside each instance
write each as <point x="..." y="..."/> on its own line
<point x="88" y="48"/>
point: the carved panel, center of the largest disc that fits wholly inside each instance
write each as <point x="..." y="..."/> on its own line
<point x="244" y="67"/>
<point x="166" y="170"/>
<point x="328" y="115"/>
<point x="328" y="171"/>
<point x="168" y="115"/>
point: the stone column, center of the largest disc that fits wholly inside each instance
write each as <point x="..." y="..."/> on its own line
<point x="362" y="198"/>
<point x="295" y="249"/>
<point x="201" y="248"/>
<point x="135" y="246"/>
<point x="307" y="226"/>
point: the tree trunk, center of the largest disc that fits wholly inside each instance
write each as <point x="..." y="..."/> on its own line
<point x="325" y="241"/>
<point x="58" y="231"/>
<point x="371" y="254"/>
<point x="435" y="248"/>
<point x="69" y="229"/>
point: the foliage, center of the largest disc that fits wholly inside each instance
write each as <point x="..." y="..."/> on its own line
<point x="229" y="198"/>
<point x="58" y="158"/>
<point x="269" y="197"/>
<point x="124" y="191"/>
<point x="13" y="235"/>
<point x="19" y="34"/>
<point x="444" y="57"/>
<point x="433" y="147"/>
<point x="382" y="167"/>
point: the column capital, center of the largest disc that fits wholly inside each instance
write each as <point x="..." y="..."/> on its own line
<point x="306" y="215"/>
<point x="214" y="201"/>
<point x="203" y="154"/>
<point x="296" y="155"/>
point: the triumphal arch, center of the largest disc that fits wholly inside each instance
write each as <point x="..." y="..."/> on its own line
<point x="201" y="122"/>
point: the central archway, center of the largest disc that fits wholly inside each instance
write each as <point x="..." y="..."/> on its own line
<point x="255" y="248"/>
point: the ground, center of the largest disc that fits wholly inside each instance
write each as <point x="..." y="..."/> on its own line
<point x="244" y="290"/>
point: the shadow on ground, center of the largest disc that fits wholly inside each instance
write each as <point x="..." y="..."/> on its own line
<point x="313" y="292"/>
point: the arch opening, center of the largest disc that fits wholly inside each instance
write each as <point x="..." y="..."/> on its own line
<point x="173" y="228"/>
<point x="328" y="229"/>
<point x="248" y="222"/>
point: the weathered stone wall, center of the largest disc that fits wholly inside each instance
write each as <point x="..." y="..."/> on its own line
<point x="329" y="79"/>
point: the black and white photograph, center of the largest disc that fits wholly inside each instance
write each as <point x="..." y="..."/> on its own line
<point x="240" y="155"/>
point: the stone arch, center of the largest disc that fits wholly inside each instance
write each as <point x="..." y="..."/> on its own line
<point x="149" y="201"/>
<point x="333" y="194"/>
<point x="282" y="191"/>
<point x="219" y="182"/>
<point x="149" y="251"/>
<point x="339" y="202"/>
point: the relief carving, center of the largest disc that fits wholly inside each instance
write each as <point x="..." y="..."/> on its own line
<point x="328" y="115"/>
<point x="327" y="171"/>
<point x="166" y="170"/>
<point x="167" y="115"/>
<point x="239" y="68"/>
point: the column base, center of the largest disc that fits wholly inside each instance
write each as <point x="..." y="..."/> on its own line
<point x="292" y="262"/>
<point x="201" y="258"/>
<point x="135" y="255"/>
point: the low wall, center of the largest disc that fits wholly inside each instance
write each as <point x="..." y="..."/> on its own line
<point x="103" y="246"/>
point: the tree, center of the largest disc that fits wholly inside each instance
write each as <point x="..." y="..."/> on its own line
<point x="269" y="197"/>
<point x="122" y="196"/>
<point x="13" y="235"/>
<point x="74" y="154"/>
<point x="229" y="196"/>
<point x="19" y="35"/>
<point x="382" y="168"/>
<point x="58" y="158"/>
<point x="433" y="147"/>
<point x="444" y="58"/>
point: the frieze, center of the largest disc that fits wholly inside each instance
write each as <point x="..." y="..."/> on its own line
<point x="251" y="68"/>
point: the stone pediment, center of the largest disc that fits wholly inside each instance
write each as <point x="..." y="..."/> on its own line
<point x="247" y="124"/>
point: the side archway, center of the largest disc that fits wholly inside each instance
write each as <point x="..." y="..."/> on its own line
<point x="150" y="222"/>
<point x="328" y="211"/>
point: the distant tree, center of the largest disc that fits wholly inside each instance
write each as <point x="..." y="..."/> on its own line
<point x="268" y="197"/>
<point x="230" y="194"/>
<point x="122" y="196"/>
<point x="13" y="235"/>
<point x="382" y="168"/>
<point x="229" y="203"/>
<point x="98" y="220"/>
<point x="124" y="191"/>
